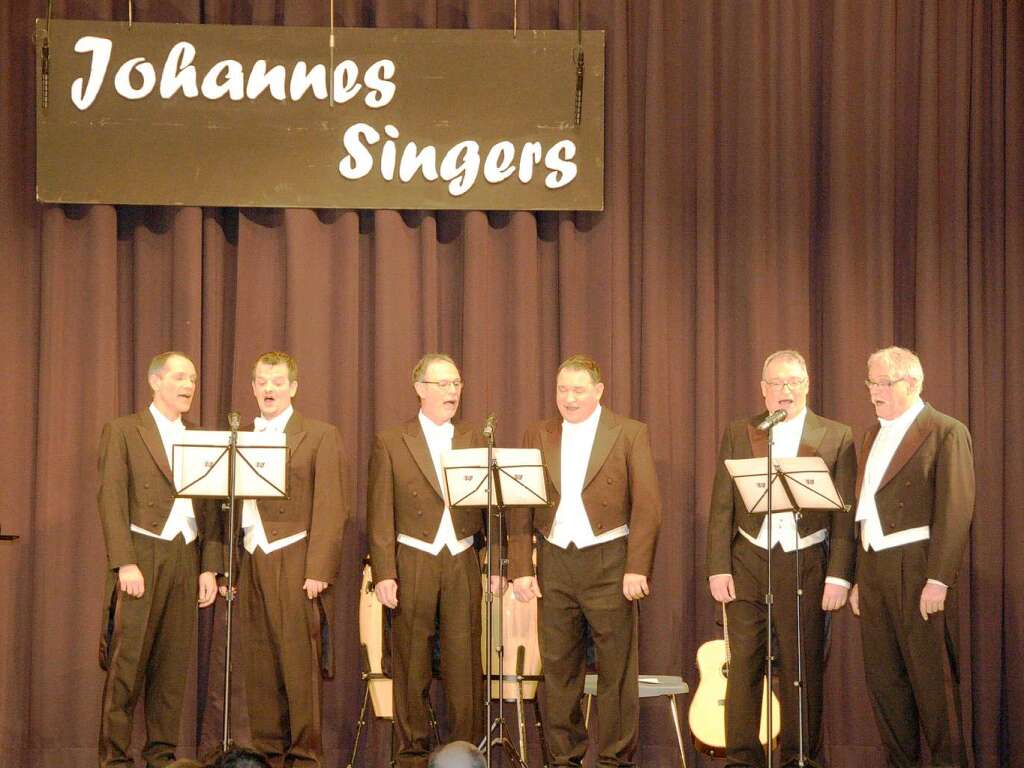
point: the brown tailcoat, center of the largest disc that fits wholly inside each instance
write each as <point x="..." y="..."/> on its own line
<point x="318" y="499"/>
<point x="822" y="437"/>
<point x="136" y="488"/>
<point x="620" y="488"/>
<point x="930" y="481"/>
<point x="404" y="496"/>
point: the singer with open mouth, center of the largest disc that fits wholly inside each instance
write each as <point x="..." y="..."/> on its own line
<point x="292" y="551"/>
<point x="737" y="554"/>
<point x="425" y="565"/>
<point x="162" y="557"/>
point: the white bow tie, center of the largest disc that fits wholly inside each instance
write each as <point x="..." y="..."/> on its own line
<point x="260" y="424"/>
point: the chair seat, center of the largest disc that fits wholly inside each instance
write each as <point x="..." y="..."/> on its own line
<point x="650" y="685"/>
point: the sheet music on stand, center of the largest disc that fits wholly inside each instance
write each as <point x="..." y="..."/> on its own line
<point x="520" y="478"/>
<point x="199" y="465"/>
<point x="801" y="482"/>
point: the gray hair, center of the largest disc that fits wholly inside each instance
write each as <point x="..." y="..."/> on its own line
<point x="901" y="362"/>
<point x="420" y="369"/>
<point x="783" y="354"/>
<point x="156" y="365"/>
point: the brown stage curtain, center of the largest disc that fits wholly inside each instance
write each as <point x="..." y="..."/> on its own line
<point x="831" y="176"/>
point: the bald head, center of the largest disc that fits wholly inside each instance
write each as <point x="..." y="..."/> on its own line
<point x="458" y="754"/>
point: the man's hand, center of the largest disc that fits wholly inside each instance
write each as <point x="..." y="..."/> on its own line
<point x="313" y="588"/>
<point x="723" y="588"/>
<point x="387" y="592"/>
<point x="223" y="588"/>
<point x="855" y="600"/>
<point x="498" y="584"/>
<point x="634" y="586"/>
<point x="129" y="578"/>
<point x="526" y="588"/>
<point x="833" y="597"/>
<point x="207" y="588"/>
<point x="933" y="599"/>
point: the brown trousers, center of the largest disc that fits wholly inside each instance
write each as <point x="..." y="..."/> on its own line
<point x="584" y="587"/>
<point x="281" y="656"/>
<point x="448" y="588"/>
<point x="748" y="634"/>
<point x="910" y="663"/>
<point x="148" y="650"/>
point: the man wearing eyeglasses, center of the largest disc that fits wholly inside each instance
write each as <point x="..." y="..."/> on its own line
<point x="737" y="553"/>
<point x="424" y="563"/>
<point x="914" y="509"/>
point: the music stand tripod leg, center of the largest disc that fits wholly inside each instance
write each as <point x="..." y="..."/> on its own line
<point x="360" y="723"/>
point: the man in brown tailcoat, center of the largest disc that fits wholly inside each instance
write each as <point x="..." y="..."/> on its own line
<point x="424" y="563"/>
<point x="292" y="553"/>
<point x="737" y="564"/>
<point x="595" y="553"/>
<point x="914" y="509"/>
<point x="155" y="569"/>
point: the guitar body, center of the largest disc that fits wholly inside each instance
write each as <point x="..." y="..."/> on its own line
<point x="371" y="636"/>
<point x="707" y="709"/>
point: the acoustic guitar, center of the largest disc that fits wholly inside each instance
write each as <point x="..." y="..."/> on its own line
<point x="707" y="708"/>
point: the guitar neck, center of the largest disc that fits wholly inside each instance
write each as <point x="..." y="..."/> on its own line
<point x="725" y="633"/>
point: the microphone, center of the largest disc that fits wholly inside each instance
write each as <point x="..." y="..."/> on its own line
<point x="772" y="419"/>
<point x="233" y="420"/>
<point x="489" y="426"/>
<point x="578" y="115"/>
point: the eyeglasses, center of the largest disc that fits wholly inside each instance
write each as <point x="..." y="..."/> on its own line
<point x="777" y="385"/>
<point x="446" y="383"/>
<point x="883" y="383"/>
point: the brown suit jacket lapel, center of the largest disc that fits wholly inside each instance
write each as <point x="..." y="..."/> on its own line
<point x="604" y="441"/>
<point x="811" y="437"/>
<point x="295" y="432"/>
<point x="862" y="459"/>
<point x="917" y="433"/>
<point x="551" y="437"/>
<point x="151" y="437"/>
<point x="463" y="437"/>
<point x="416" y="442"/>
<point x="758" y="441"/>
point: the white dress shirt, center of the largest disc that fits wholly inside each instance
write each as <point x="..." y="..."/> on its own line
<point x="571" y="524"/>
<point x="889" y="437"/>
<point x="439" y="439"/>
<point x="786" y="445"/>
<point x="182" y="519"/>
<point x="254" y="535"/>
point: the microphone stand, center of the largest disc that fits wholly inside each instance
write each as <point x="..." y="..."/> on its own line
<point x="802" y="759"/>
<point x="768" y="600"/>
<point x="495" y="511"/>
<point x="230" y="594"/>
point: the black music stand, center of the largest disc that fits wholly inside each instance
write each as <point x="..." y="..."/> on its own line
<point x="520" y="475"/>
<point x="208" y="465"/>
<point x="800" y="484"/>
